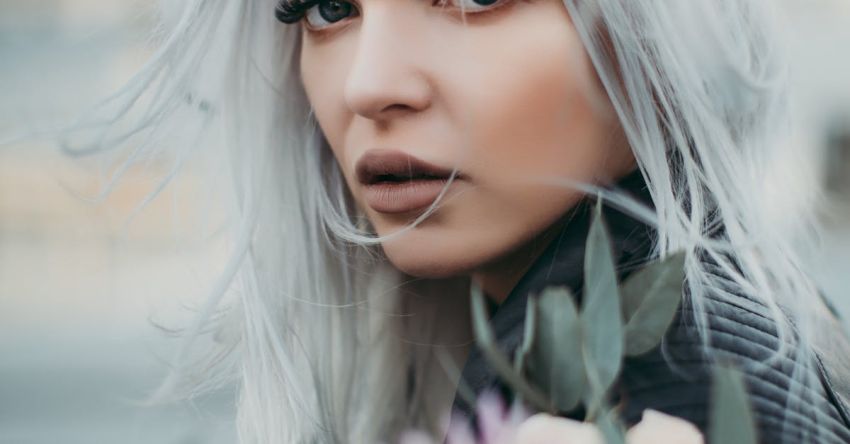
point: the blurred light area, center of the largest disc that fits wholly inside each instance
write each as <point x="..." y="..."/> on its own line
<point x="818" y="35"/>
<point x="79" y="285"/>
<point x="66" y="14"/>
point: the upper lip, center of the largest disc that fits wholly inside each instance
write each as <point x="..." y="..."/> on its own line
<point x="393" y="166"/>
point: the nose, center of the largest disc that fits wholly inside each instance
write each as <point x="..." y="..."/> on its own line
<point x="386" y="78"/>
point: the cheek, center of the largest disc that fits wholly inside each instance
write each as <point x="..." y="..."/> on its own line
<point x="540" y="118"/>
<point x="544" y="119"/>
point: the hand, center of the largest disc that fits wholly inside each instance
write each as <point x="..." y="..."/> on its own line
<point x="498" y="425"/>
<point x="543" y="428"/>
<point x="654" y="428"/>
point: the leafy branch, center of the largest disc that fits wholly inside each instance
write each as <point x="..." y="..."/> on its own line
<point x="571" y="355"/>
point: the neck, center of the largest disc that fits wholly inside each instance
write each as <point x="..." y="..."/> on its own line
<point x="499" y="277"/>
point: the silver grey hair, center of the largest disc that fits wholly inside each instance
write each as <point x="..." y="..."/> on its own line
<point x="325" y="340"/>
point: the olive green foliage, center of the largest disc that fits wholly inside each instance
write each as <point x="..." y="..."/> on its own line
<point x="731" y="418"/>
<point x="572" y="356"/>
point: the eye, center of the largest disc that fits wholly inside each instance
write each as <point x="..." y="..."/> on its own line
<point x="321" y="14"/>
<point x="470" y="6"/>
<point x="327" y="12"/>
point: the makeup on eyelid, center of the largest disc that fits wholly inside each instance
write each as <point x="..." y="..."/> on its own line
<point x="308" y="11"/>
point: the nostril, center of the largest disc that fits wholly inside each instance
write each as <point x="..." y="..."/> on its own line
<point x="396" y="107"/>
<point x="395" y="111"/>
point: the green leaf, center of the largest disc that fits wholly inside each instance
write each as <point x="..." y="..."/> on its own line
<point x="530" y="325"/>
<point x="594" y="393"/>
<point x="485" y="339"/>
<point x="611" y="429"/>
<point x="555" y="360"/>
<point x="651" y="298"/>
<point x="731" y="417"/>
<point x="602" y="325"/>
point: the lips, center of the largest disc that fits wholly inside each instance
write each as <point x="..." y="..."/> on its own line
<point x="379" y="166"/>
<point x="395" y="182"/>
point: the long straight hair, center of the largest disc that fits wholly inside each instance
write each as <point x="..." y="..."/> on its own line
<point x="326" y="340"/>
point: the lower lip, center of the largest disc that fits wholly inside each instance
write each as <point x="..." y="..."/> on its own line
<point x="403" y="197"/>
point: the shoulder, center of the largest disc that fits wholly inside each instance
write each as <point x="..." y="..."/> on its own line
<point x="790" y="401"/>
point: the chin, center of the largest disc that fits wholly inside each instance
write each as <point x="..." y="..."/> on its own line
<point x="431" y="261"/>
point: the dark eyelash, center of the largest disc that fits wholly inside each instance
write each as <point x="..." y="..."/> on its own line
<point x="292" y="11"/>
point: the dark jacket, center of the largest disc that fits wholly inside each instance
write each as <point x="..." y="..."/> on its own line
<point x="740" y="330"/>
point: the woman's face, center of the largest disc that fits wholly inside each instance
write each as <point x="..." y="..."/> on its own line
<point x="503" y="92"/>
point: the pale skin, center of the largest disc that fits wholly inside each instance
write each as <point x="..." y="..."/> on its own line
<point x="503" y="92"/>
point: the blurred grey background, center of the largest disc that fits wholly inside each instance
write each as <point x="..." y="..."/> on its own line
<point x="79" y="287"/>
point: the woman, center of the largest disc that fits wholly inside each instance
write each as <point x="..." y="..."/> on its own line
<point x="386" y="153"/>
